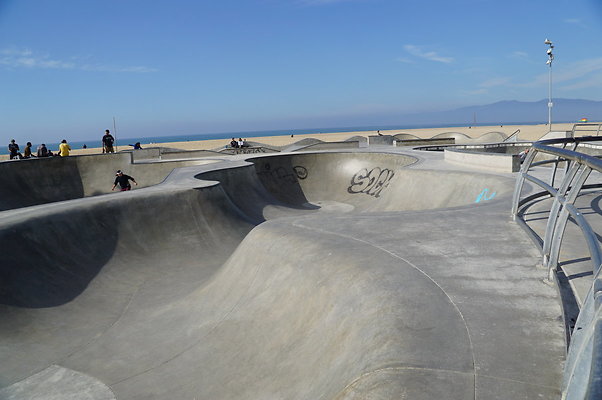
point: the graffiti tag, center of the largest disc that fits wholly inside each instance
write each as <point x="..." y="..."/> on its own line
<point x="484" y="196"/>
<point x="370" y="182"/>
<point x="284" y="174"/>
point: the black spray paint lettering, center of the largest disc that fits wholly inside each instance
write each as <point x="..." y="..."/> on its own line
<point x="300" y="171"/>
<point x="370" y="182"/>
<point x="283" y="174"/>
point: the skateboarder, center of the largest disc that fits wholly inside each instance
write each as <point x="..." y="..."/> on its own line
<point x="123" y="181"/>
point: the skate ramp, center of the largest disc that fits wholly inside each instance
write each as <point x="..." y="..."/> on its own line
<point x="35" y="181"/>
<point x="350" y="182"/>
<point x="462" y="138"/>
<point x="180" y="291"/>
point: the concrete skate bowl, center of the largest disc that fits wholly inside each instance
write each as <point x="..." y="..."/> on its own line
<point x="461" y="138"/>
<point x="175" y="293"/>
<point x="39" y="181"/>
<point x="346" y="182"/>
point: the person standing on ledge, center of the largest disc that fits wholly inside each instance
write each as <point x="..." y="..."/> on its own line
<point x="64" y="148"/>
<point x="13" y="150"/>
<point x="107" y="142"/>
<point x="123" y="181"/>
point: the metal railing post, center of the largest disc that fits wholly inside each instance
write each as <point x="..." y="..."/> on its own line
<point x="559" y="199"/>
<point x="558" y="234"/>
<point x="520" y="181"/>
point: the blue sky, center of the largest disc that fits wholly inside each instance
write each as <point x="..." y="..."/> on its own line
<point x="186" y="67"/>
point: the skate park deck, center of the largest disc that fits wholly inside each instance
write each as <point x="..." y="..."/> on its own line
<point x="372" y="273"/>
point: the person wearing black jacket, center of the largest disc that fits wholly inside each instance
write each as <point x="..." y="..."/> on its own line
<point x="107" y="142"/>
<point x="123" y="181"/>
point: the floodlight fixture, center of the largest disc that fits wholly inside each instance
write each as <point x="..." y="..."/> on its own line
<point x="549" y="62"/>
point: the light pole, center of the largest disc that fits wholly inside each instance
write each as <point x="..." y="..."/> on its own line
<point x="549" y="62"/>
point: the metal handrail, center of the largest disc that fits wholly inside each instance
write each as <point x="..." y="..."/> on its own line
<point x="583" y="369"/>
<point x="582" y="126"/>
<point x="514" y="136"/>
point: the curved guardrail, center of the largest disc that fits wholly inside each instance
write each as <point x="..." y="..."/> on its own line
<point x="583" y="369"/>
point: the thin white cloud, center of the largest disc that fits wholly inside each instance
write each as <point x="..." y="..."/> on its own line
<point x="323" y="2"/>
<point x="593" y="81"/>
<point x="577" y="75"/>
<point x="483" y="87"/>
<point x="474" y="92"/>
<point x="581" y="75"/>
<point x="579" y="69"/>
<point x="427" y="55"/>
<point x="520" y="54"/>
<point x="404" y="60"/>
<point x="493" y="82"/>
<point x="577" y="22"/>
<point x="111" y="68"/>
<point x="25" y="58"/>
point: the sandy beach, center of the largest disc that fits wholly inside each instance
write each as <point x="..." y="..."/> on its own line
<point x="527" y="132"/>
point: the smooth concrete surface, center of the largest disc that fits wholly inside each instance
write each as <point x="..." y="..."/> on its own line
<point x="370" y="274"/>
<point x="162" y="153"/>
<point x="405" y="141"/>
<point x="500" y="162"/>
<point x="461" y="138"/>
<point x="380" y="140"/>
<point x="348" y="144"/>
<point x="43" y="386"/>
<point x="44" y="180"/>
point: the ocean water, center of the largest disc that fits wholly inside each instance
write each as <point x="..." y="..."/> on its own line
<point x="123" y="143"/>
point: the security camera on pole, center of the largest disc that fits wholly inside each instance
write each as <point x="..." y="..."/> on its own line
<point x="549" y="62"/>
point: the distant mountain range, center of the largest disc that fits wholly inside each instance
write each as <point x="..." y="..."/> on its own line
<point x="509" y="112"/>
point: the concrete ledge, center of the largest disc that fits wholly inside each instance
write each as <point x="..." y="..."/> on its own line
<point x="424" y="142"/>
<point x="146" y="154"/>
<point x="384" y="139"/>
<point x="178" y="155"/>
<point x="498" y="162"/>
<point x="331" y="146"/>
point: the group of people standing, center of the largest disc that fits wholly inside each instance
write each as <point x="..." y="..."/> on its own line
<point x="42" y="151"/>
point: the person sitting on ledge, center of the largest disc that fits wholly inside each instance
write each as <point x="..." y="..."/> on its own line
<point x="64" y="148"/>
<point x="43" y="151"/>
<point x="27" y="152"/>
<point x="234" y="143"/>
